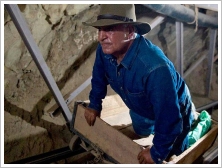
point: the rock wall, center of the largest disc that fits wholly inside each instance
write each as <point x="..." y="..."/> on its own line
<point x="68" y="48"/>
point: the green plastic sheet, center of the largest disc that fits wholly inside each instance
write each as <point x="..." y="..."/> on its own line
<point x="201" y="127"/>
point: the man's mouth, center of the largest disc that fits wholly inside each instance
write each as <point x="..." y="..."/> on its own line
<point x="105" y="44"/>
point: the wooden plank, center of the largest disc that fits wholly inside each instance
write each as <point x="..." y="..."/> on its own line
<point x="199" y="147"/>
<point x="108" y="139"/>
<point x="124" y="149"/>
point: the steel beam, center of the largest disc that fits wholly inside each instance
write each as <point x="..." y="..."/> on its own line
<point x="79" y="90"/>
<point x="72" y="96"/>
<point x="193" y="66"/>
<point x="213" y="33"/>
<point x="179" y="47"/>
<point x="26" y="35"/>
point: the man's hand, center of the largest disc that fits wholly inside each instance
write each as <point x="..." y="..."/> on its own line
<point x="90" y="116"/>
<point x="144" y="156"/>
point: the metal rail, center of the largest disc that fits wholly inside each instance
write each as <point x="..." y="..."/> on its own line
<point x="207" y="106"/>
<point x="50" y="157"/>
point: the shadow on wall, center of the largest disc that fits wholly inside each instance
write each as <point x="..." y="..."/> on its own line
<point x="75" y="66"/>
<point x="24" y="147"/>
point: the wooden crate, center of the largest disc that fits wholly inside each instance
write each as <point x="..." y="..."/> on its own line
<point x="199" y="147"/>
<point x="124" y="149"/>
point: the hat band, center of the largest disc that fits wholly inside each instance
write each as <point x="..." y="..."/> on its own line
<point x="115" y="17"/>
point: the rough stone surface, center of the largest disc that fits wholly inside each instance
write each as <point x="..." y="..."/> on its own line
<point x="68" y="48"/>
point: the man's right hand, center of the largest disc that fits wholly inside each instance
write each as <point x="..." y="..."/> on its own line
<point x="90" y="116"/>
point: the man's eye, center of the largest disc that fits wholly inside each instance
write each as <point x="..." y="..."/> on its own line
<point x="107" y="29"/>
<point x="110" y="29"/>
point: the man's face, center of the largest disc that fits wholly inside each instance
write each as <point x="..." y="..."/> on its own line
<point x="114" y="39"/>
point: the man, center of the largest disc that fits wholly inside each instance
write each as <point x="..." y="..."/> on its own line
<point x="158" y="98"/>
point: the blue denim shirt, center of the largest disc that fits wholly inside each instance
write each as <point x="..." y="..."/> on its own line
<point x="150" y="86"/>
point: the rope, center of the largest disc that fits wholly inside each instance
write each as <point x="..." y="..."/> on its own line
<point x="195" y="18"/>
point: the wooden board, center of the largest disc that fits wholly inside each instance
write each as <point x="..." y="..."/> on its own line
<point x="124" y="149"/>
<point x="108" y="139"/>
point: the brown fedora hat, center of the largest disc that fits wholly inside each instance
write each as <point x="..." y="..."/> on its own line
<point x="113" y="14"/>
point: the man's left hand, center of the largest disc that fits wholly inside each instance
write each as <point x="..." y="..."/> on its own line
<point x="144" y="156"/>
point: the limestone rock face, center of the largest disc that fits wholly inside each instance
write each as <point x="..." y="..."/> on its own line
<point x="54" y="12"/>
<point x="74" y="9"/>
<point x="68" y="49"/>
<point x="66" y="46"/>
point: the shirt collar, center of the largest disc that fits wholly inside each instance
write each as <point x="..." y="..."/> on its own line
<point x="131" y="54"/>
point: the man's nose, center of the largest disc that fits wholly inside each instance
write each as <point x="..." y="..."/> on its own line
<point x="101" y="35"/>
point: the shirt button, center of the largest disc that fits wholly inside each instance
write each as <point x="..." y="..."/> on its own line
<point x="121" y="88"/>
<point x="118" y="73"/>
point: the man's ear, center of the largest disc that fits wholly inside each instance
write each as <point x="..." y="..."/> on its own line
<point x="131" y="32"/>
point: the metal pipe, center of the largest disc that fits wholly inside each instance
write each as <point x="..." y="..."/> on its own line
<point x="184" y="14"/>
<point x="205" y="107"/>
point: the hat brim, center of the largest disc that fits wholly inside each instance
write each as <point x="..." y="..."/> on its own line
<point x="142" y="27"/>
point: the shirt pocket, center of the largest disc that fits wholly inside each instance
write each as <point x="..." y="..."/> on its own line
<point x="138" y="100"/>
